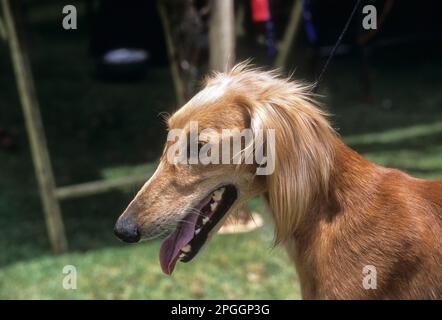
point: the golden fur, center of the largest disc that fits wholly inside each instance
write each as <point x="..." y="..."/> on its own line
<point x="334" y="211"/>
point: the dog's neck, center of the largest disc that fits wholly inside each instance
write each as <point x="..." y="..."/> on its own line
<point x="349" y="188"/>
<point x="351" y="178"/>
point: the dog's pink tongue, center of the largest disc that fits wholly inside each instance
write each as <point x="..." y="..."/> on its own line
<point x="171" y="246"/>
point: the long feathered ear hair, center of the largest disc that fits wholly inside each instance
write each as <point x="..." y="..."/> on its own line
<point x="303" y="159"/>
<point x="304" y="144"/>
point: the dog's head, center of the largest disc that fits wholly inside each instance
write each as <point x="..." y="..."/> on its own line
<point x="189" y="197"/>
<point x="203" y="176"/>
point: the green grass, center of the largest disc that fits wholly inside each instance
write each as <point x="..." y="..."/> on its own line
<point x="239" y="266"/>
<point x="105" y="130"/>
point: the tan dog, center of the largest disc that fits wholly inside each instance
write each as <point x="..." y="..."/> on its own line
<point x="334" y="211"/>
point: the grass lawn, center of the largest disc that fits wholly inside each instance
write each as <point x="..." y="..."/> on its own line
<point x="98" y="129"/>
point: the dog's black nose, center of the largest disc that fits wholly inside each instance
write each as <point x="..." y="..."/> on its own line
<point x="126" y="229"/>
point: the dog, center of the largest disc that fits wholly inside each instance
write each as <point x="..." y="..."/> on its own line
<point x="335" y="212"/>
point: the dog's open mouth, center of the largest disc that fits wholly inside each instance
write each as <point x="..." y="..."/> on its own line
<point x="191" y="233"/>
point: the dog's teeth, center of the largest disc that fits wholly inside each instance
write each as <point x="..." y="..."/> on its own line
<point x="186" y="248"/>
<point x="182" y="256"/>
<point x="217" y="195"/>
<point x="197" y="230"/>
<point x="213" y="207"/>
<point x="205" y="220"/>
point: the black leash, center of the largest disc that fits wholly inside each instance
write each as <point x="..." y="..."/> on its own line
<point x="337" y="44"/>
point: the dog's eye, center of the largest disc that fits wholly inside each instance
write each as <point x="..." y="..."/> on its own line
<point x="194" y="153"/>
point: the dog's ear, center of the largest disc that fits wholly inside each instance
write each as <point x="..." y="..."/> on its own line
<point x="303" y="156"/>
